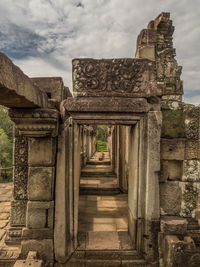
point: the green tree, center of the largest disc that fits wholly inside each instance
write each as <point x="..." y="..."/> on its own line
<point x="102" y="133"/>
<point x="6" y="138"/>
<point x="5" y="122"/>
<point x="5" y="150"/>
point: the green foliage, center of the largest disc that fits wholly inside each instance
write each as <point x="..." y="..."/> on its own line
<point x="5" y="150"/>
<point x="6" y="143"/>
<point x="102" y="133"/>
<point x="101" y="145"/>
<point x="5" y="123"/>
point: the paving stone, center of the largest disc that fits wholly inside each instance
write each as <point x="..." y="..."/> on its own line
<point x="4" y="215"/>
<point x="102" y="241"/>
<point x="3" y="223"/>
<point x="125" y="241"/>
<point x="4" y="208"/>
<point x="2" y="233"/>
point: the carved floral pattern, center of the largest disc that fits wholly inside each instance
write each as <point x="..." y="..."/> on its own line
<point x="21" y="150"/>
<point x="20" y="182"/>
<point x="21" y="167"/>
<point x="110" y="75"/>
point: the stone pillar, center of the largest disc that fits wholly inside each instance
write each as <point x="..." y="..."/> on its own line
<point x="149" y="206"/>
<point x="32" y="208"/>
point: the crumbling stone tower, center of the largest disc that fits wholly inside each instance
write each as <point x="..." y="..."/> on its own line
<point x="144" y="93"/>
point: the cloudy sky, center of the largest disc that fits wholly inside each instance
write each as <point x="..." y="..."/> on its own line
<point x="43" y="36"/>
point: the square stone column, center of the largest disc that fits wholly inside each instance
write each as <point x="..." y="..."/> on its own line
<point x="32" y="209"/>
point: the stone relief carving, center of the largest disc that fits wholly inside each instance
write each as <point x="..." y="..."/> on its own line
<point x="21" y="150"/>
<point x="21" y="167"/>
<point x="21" y="180"/>
<point x="194" y="261"/>
<point x="111" y="76"/>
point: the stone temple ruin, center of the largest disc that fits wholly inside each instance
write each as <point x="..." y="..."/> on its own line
<point x="68" y="199"/>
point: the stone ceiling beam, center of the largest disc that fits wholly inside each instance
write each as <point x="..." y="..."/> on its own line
<point x="16" y="89"/>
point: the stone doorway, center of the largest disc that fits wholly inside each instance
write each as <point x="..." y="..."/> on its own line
<point x="103" y="204"/>
<point x="137" y="132"/>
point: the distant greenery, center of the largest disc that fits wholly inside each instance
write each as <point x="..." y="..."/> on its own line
<point x="102" y="135"/>
<point x="6" y="143"/>
<point x="101" y="145"/>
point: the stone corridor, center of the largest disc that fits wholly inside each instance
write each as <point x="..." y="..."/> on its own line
<point x="103" y="216"/>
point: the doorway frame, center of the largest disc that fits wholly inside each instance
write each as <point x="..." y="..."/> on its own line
<point x="147" y="211"/>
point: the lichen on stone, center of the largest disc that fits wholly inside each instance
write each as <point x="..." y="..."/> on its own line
<point x="190" y="195"/>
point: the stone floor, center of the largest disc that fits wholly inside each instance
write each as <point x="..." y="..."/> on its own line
<point x="5" y="198"/>
<point x="8" y="253"/>
<point x="97" y="174"/>
<point x="103" y="219"/>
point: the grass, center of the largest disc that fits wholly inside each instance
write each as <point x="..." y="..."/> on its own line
<point x="101" y="145"/>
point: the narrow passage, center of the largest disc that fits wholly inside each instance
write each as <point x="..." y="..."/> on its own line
<point x="103" y="210"/>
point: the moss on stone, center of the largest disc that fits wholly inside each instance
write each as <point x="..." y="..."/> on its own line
<point x="173" y="125"/>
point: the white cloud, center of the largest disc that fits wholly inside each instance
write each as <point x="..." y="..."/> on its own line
<point x="100" y="29"/>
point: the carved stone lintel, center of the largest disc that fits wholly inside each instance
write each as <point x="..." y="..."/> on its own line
<point x="35" y="122"/>
<point x="115" y="77"/>
<point x="106" y="104"/>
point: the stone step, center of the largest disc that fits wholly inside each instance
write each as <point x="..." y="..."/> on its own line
<point x="98" y="163"/>
<point x="106" y="259"/>
<point x="8" y="258"/>
<point x="97" y="174"/>
<point x="99" y="191"/>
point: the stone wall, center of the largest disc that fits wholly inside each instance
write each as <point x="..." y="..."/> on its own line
<point x="180" y="183"/>
<point x="32" y="207"/>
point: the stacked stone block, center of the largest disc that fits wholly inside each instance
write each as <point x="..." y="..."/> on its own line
<point x="180" y="184"/>
<point x="35" y="157"/>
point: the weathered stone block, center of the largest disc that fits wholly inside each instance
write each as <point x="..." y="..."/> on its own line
<point x="190" y="191"/>
<point x="172" y="98"/>
<point x="172" y="149"/>
<point x="191" y="115"/>
<point x="192" y="149"/>
<point x="41" y="183"/>
<point x="44" y="248"/>
<point x="39" y="214"/>
<point x="29" y="262"/>
<point x="53" y="86"/>
<point x="17" y="90"/>
<point x="171" y="170"/>
<point x="41" y="151"/>
<point x="146" y="52"/>
<point x="44" y="233"/>
<point x="174" y="252"/>
<point x="173" y="225"/>
<point x="170" y="198"/>
<point x="173" y="125"/>
<point x="18" y="213"/>
<point x="36" y="218"/>
<point x="191" y="170"/>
